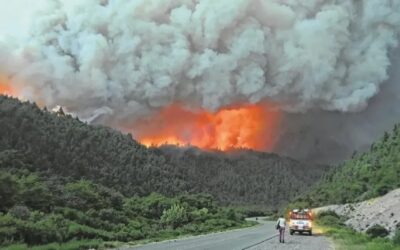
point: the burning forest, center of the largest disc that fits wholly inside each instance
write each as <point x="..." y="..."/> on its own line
<point x="261" y="74"/>
<point x="246" y="126"/>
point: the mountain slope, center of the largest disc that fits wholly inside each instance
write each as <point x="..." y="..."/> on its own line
<point x="57" y="145"/>
<point x="365" y="176"/>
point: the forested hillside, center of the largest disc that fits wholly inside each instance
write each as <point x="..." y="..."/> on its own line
<point x="365" y="176"/>
<point x="58" y="145"/>
<point x="245" y="177"/>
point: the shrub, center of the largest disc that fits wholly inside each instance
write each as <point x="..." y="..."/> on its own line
<point x="231" y="215"/>
<point x="252" y="212"/>
<point x="328" y="212"/>
<point x="77" y="231"/>
<point x="83" y="195"/>
<point x="199" y="201"/>
<point x="329" y="218"/>
<point x="218" y="224"/>
<point x="175" y="217"/>
<point x="8" y="228"/>
<point x="51" y="228"/>
<point x="129" y="234"/>
<point x="112" y="216"/>
<point x="382" y="189"/>
<point x="396" y="238"/>
<point x="20" y="212"/>
<point x="377" y="231"/>
<point x="73" y="214"/>
<point x="191" y="228"/>
<point x="199" y="215"/>
<point x="151" y="207"/>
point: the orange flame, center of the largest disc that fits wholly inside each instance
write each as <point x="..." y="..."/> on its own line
<point x="247" y="126"/>
<point x="14" y="88"/>
<point x="6" y="87"/>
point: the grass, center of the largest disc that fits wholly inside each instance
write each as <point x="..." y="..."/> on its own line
<point x="345" y="238"/>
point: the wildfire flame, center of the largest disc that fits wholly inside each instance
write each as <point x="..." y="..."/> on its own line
<point x="16" y="89"/>
<point x="246" y="126"/>
<point x="251" y="126"/>
<point x="7" y="88"/>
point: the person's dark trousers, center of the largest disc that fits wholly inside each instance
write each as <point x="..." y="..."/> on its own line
<point x="282" y="235"/>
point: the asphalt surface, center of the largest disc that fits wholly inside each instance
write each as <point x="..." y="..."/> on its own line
<point x="297" y="242"/>
<point x="260" y="237"/>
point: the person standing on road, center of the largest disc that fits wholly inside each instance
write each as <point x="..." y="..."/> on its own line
<point x="280" y="225"/>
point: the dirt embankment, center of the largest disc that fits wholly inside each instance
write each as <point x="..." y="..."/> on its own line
<point x="384" y="211"/>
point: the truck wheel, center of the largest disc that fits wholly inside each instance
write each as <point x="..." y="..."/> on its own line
<point x="310" y="233"/>
<point x="291" y="232"/>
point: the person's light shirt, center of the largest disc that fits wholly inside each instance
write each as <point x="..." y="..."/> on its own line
<point x="281" y="222"/>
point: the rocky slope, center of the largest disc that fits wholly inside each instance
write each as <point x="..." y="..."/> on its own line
<point x="384" y="211"/>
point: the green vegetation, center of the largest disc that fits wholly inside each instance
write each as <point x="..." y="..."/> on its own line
<point x="367" y="175"/>
<point x="72" y="245"/>
<point x="37" y="212"/>
<point x="377" y="231"/>
<point x="347" y="239"/>
<point x="329" y="218"/>
<point x="396" y="238"/>
<point x="58" y="146"/>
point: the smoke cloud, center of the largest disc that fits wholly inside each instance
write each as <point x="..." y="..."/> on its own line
<point x="323" y="136"/>
<point x="119" y="60"/>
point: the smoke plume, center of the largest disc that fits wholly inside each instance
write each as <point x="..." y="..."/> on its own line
<point x="324" y="136"/>
<point x="120" y="60"/>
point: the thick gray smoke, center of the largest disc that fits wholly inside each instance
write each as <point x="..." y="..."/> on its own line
<point x="121" y="59"/>
<point x="324" y="136"/>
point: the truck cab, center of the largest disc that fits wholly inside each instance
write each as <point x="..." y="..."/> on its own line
<point x="300" y="220"/>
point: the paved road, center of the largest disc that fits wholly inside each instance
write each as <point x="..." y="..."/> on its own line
<point x="297" y="242"/>
<point x="248" y="238"/>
